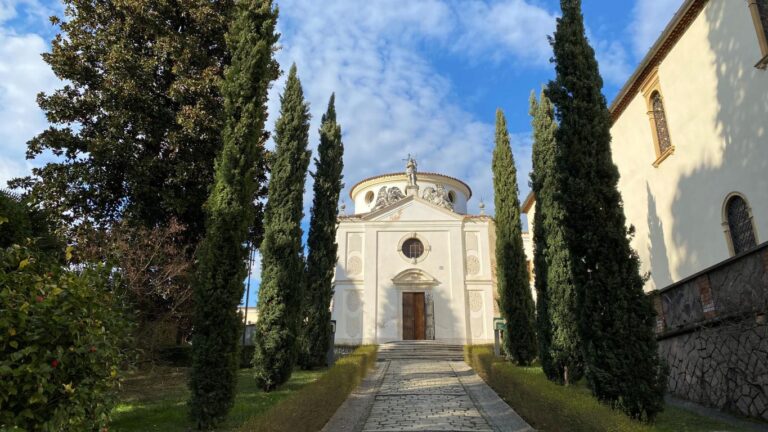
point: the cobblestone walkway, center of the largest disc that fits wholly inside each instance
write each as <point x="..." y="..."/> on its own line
<point x="424" y="387"/>
<point x="423" y="395"/>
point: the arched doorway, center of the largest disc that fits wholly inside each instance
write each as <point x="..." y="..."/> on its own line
<point x="417" y="316"/>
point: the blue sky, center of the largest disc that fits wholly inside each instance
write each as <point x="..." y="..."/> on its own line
<point x="422" y="77"/>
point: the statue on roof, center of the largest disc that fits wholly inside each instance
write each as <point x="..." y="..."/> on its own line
<point x="438" y="197"/>
<point x="410" y="171"/>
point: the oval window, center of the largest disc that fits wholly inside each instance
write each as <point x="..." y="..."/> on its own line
<point x="369" y="197"/>
<point x="452" y="197"/>
<point x="413" y="248"/>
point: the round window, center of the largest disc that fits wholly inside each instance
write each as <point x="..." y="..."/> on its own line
<point x="452" y="196"/>
<point x="413" y="248"/>
<point x="369" y="197"/>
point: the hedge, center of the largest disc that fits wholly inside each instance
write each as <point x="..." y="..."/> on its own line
<point x="309" y="409"/>
<point x="542" y="403"/>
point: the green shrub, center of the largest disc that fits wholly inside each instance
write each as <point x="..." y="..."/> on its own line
<point x="310" y="408"/>
<point x="543" y="404"/>
<point x="61" y="333"/>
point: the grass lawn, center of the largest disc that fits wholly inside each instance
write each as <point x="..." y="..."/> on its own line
<point x="672" y="419"/>
<point x="550" y="407"/>
<point x="156" y="400"/>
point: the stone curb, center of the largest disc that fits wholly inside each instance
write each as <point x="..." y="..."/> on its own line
<point x="352" y="414"/>
<point x="497" y="413"/>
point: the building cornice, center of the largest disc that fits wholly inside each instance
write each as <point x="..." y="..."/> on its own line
<point x="402" y="176"/>
<point x="664" y="44"/>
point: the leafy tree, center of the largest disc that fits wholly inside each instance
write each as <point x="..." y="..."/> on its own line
<point x="20" y="221"/>
<point x="321" y="243"/>
<point x="218" y="286"/>
<point x="557" y="315"/>
<point x="155" y="269"/>
<point x="515" y="300"/>
<point x="615" y="317"/>
<point x="282" y="261"/>
<point x="137" y="122"/>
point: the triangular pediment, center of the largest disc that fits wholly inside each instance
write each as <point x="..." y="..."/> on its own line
<point x="414" y="276"/>
<point x="412" y="208"/>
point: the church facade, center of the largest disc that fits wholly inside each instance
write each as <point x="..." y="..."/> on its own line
<point x="412" y="264"/>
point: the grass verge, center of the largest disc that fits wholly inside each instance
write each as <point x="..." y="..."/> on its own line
<point x="310" y="408"/>
<point x="156" y="400"/>
<point x="550" y="407"/>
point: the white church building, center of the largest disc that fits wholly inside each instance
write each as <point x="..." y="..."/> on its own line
<point x="413" y="265"/>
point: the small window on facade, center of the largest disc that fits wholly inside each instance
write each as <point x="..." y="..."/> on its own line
<point x="413" y="248"/>
<point x="452" y="196"/>
<point x="740" y="228"/>
<point x="662" y="143"/>
<point x="369" y="197"/>
<point x="660" y="119"/>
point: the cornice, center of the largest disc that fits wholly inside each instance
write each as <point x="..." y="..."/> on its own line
<point x="664" y="44"/>
<point x="402" y="176"/>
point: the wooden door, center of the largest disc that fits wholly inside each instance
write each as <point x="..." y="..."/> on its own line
<point x="419" y="317"/>
<point x="414" y="319"/>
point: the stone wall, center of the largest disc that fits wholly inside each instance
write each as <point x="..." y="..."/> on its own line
<point x="712" y="332"/>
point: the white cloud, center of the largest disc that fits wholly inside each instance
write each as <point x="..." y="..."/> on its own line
<point x="649" y="17"/>
<point x="22" y="75"/>
<point x="510" y="27"/>
<point x="613" y="61"/>
<point x="29" y="14"/>
<point x="390" y="99"/>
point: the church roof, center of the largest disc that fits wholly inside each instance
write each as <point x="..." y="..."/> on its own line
<point x="401" y="174"/>
<point x="663" y="45"/>
<point x="528" y="203"/>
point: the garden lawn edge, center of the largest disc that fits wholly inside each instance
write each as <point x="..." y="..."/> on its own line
<point x="310" y="408"/>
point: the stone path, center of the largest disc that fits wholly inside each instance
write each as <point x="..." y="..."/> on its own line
<point x="418" y="395"/>
<point x="425" y="394"/>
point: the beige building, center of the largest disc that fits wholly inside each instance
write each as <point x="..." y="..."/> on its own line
<point x="413" y="264"/>
<point x="690" y="139"/>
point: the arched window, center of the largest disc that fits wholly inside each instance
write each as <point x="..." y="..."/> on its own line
<point x="738" y="224"/>
<point x="662" y="143"/>
<point x="660" y="119"/>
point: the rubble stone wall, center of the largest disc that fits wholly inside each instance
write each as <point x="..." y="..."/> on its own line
<point x="713" y="334"/>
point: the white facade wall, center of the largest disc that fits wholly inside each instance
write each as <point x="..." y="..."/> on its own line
<point x="367" y="303"/>
<point x="716" y="104"/>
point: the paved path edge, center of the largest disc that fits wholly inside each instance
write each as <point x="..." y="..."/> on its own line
<point x="497" y="413"/>
<point x="352" y="414"/>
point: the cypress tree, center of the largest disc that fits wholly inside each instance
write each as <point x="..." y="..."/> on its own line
<point x="515" y="300"/>
<point x="321" y="259"/>
<point x="557" y="316"/>
<point x="282" y="260"/>
<point x="218" y="285"/>
<point x="615" y="317"/>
